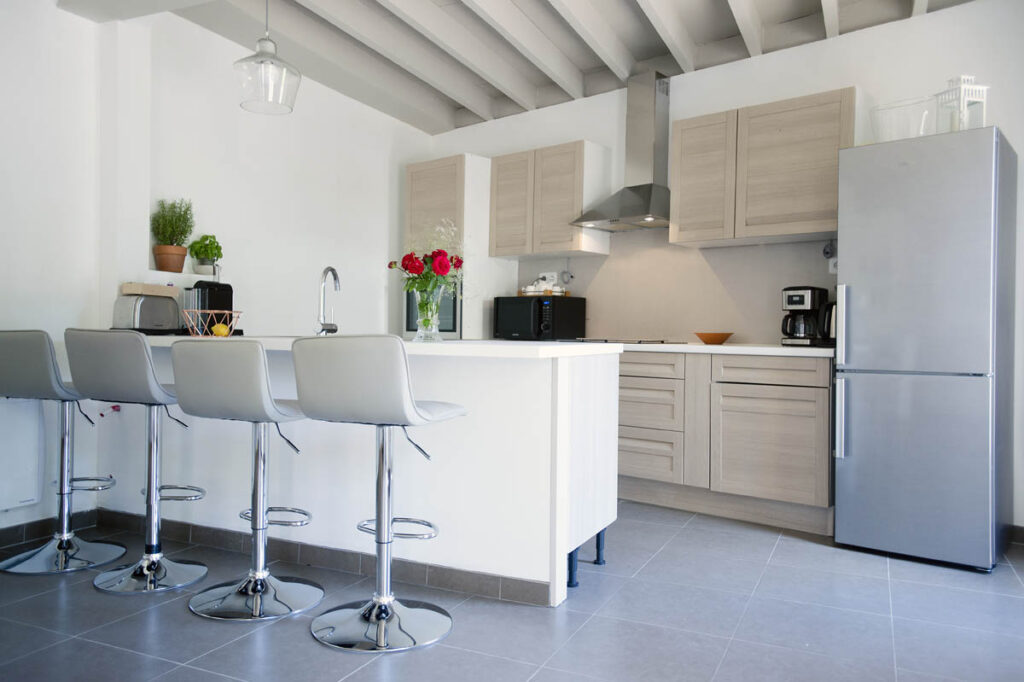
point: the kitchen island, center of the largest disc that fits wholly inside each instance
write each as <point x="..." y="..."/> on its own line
<point x="526" y="477"/>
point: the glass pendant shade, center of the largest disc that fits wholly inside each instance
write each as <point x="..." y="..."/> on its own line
<point x="269" y="84"/>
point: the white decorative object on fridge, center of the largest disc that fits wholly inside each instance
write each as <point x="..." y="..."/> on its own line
<point x="903" y="119"/>
<point x="961" y="105"/>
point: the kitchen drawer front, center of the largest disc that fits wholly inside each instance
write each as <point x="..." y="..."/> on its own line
<point x="651" y="453"/>
<point x="771" y="442"/>
<point x="654" y="365"/>
<point x="652" y="403"/>
<point x="772" y="369"/>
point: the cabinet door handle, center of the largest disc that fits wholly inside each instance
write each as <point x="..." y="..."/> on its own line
<point x="841" y="294"/>
<point x="840" y="418"/>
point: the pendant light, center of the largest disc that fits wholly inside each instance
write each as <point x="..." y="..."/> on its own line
<point x="269" y="84"/>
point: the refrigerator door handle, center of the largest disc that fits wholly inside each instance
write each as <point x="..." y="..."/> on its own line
<point x="840" y="314"/>
<point x="840" y="422"/>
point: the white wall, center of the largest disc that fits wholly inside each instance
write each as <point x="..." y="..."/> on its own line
<point x="48" y="184"/>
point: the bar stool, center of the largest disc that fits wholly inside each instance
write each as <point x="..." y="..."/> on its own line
<point x="229" y="379"/>
<point x="28" y="370"/>
<point x="365" y="380"/>
<point x="117" y="366"/>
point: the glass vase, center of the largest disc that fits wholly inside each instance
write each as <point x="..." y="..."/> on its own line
<point x="428" y="315"/>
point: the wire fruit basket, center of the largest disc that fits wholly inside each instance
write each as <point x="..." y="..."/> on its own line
<point x="215" y="323"/>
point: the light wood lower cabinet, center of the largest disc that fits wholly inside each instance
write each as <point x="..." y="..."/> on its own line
<point x="771" y="442"/>
<point x="651" y="453"/>
<point x="652" y="403"/>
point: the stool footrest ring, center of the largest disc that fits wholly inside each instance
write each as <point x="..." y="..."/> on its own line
<point x="304" y="521"/>
<point x="103" y="483"/>
<point x="197" y="493"/>
<point x="370" y="526"/>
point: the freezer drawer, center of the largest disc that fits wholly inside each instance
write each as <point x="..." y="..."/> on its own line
<point x="913" y="467"/>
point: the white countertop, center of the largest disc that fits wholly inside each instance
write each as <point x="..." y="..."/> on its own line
<point x="732" y="349"/>
<point x="473" y="349"/>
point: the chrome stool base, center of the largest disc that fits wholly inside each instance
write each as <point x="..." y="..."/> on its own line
<point x="370" y="627"/>
<point x="63" y="556"/>
<point x="261" y="599"/>
<point x="151" y="573"/>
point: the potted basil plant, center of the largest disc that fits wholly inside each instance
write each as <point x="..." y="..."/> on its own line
<point x="172" y="224"/>
<point x="205" y="252"/>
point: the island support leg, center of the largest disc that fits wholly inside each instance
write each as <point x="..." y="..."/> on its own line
<point x="573" y="564"/>
<point x="599" y="560"/>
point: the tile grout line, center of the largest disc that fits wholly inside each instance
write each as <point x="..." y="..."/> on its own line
<point x="746" y="607"/>
<point x="563" y="645"/>
<point x="892" y="619"/>
<point x="30" y="653"/>
<point x="663" y="546"/>
<point x="371" y="658"/>
<point x="262" y="626"/>
<point x="208" y="672"/>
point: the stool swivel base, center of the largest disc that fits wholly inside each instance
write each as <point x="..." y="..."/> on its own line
<point x="259" y="596"/>
<point x="383" y="623"/>
<point x="65" y="552"/>
<point x="153" y="572"/>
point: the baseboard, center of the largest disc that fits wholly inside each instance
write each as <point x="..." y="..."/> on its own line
<point x="43" y="529"/>
<point x="1017" y="534"/>
<point x="470" y="582"/>
<point x="818" y="520"/>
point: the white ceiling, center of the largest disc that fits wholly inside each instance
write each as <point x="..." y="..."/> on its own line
<point x="442" y="64"/>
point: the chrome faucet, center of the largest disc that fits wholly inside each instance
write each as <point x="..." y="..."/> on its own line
<point x="325" y="326"/>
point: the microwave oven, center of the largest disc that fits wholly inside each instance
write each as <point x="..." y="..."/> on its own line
<point x="540" y="318"/>
<point x="450" y="322"/>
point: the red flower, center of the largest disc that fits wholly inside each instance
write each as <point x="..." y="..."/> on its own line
<point x="440" y="264"/>
<point x="392" y="265"/>
<point x="412" y="264"/>
<point x="439" y="253"/>
<point x="457" y="262"/>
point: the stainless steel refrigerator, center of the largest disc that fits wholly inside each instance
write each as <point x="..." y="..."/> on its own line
<point x="924" y="347"/>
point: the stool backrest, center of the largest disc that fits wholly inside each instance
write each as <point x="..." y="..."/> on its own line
<point x="28" y="367"/>
<point x="223" y="379"/>
<point x="361" y="379"/>
<point x="114" y="366"/>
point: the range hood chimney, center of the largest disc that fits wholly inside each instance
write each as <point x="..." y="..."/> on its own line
<point x="644" y="201"/>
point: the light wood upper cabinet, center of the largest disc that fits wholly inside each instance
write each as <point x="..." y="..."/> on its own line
<point x="771" y="442"/>
<point x="536" y="194"/>
<point x="767" y="173"/>
<point x="435" y="191"/>
<point x="787" y="169"/>
<point x="512" y="204"/>
<point x="703" y="178"/>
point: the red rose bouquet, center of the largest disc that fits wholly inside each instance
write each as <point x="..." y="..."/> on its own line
<point x="429" y="276"/>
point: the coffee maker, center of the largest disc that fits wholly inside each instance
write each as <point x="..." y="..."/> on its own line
<point x="804" y="323"/>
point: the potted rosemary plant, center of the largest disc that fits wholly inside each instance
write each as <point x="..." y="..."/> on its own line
<point x="171" y="223"/>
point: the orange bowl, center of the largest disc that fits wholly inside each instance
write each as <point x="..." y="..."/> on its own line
<point x="713" y="338"/>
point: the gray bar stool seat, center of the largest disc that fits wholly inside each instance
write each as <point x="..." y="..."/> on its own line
<point x="117" y="366"/>
<point x="365" y="380"/>
<point x="229" y="379"/>
<point x="28" y="370"/>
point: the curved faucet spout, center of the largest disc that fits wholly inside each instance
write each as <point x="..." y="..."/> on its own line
<point x="325" y="326"/>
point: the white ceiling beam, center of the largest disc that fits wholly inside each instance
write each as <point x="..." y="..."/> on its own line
<point x="666" y="18"/>
<point x="830" y="12"/>
<point x="505" y="17"/>
<point x="598" y="34"/>
<point x="328" y="56"/>
<point x="920" y="7"/>
<point x="749" y="23"/>
<point x="119" y="10"/>
<point x="434" y="23"/>
<point x="406" y="48"/>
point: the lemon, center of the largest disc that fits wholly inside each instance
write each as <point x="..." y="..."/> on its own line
<point x="220" y="330"/>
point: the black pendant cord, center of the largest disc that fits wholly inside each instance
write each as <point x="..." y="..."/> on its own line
<point x="82" y="412"/>
<point x="285" y="438"/>
<point x="171" y="416"/>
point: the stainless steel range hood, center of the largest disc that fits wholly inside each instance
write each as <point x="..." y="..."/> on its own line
<point x="644" y="201"/>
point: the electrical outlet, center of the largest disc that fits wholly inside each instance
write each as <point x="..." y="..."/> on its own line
<point x="549" y="277"/>
<point x="833" y="266"/>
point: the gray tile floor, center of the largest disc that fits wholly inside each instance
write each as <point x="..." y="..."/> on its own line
<point x="682" y="597"/>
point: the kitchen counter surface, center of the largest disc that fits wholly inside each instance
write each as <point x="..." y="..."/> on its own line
<point x="730" y="349"/>
<point x="474" y="349"/>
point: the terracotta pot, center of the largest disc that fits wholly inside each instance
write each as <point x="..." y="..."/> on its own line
<point x="169" y="258"/>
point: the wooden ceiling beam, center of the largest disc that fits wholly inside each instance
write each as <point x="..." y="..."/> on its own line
<point x="749" y="23"/>
<point x="505" y="17"/>
<point x="598" y="35"/>
<point x="405" y="47"/>
<point x="120" y="10"/>
<point x="666" y="18"/>
<point x="830" y="13"/>
<point x="434" y="23"/>
<point x="919" y="7"/>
